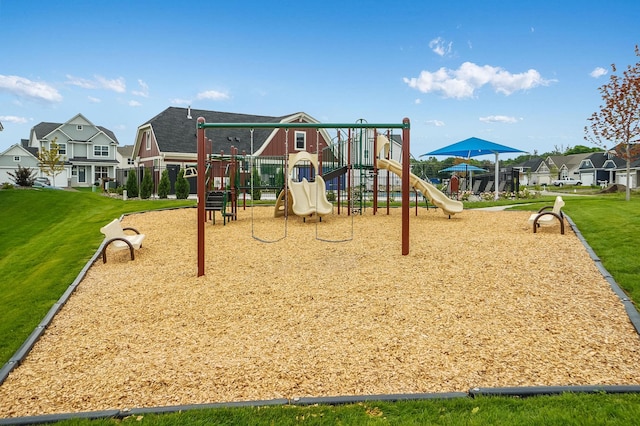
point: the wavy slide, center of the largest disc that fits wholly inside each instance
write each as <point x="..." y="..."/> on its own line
<point x="434" y="195"/>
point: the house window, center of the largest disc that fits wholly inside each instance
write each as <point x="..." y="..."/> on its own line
<point x="62" y="148"/>
<point x="102" y="172"/>
<point x="101" y="150"/>
<point x="147" y="138"/>
<point x="130" y="161"/>
<point x="16" y="158"/>
<point x="79" y="127"/>
<point x="301" y="141"/>
<point x="74" y="170"/>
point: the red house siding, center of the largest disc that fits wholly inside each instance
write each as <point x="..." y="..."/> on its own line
<point x="277" y="145"/>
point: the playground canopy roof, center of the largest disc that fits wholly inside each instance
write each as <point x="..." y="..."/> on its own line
<point x="472" y="147"/>
<point x="463" y="167"/>
<point x="475" y="147"/>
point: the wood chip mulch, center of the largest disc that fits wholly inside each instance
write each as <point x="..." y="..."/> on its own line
<point x="480" y="301"/>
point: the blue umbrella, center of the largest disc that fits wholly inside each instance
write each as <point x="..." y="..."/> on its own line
<point x="474" y="147"/>
<point x="463" y="167"/>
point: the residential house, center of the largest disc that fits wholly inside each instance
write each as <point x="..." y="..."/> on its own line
<point x="565" y="166"/>
<point x="169" y="140"/>
<point x="534" y="171"/>
<point x="126" y="163"/>
<point x="14" y="156"/>
<point x="599" y="168"/>
<point x="89" y="151"/>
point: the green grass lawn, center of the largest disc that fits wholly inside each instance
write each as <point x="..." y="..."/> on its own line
<point x="47" y="237"/>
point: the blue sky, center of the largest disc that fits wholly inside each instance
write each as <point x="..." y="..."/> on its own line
<point x="522" y="74"/>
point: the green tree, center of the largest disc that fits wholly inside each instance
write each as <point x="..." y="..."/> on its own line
<point x="165" y="185"/>
<point x="182" y="186"/>
<point x="23" y="176"/>
<point x="132" y="184"/>
<point x="618" y="120"/>
<point x="256" y="181"/>
<point x="146" y="188"/>
<point x="51" y="161"/>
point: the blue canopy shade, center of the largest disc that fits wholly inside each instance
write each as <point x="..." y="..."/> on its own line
<point x="472" y="147"/>
<point x="463" y="167"/>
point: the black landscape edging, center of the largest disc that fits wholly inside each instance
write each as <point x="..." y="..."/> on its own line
<point x="179" y="408"/>
<point x="528" y="391"/>
<point x="632" y="312"/>
<point x="354" y="399"/>
<point x="54" y="418"/>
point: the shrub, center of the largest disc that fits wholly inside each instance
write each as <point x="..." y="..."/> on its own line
<point x="147" y="185"/>
<point x="6" y="185"/>
<point x="132" y="184"/>
<point x="255" y="179"/>
<point x="23" y="176"/>
<point x="165" y="185"/>
<point x="182" y="186"/>
<point x="331" y="196"/>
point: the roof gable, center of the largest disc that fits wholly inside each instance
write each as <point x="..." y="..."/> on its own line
<point x="175" y="130"/>
<point x="44" y="130"/>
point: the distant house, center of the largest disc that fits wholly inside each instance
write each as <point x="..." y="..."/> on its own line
<point x="14" y="156"/>
<point x="168" y="140"/>
<point x="89" y="150"/>
<point x="534" y="171"/>
<point x="565" y="166"/>
<point x="126" y="163"/>
<point x="599" y="168"/>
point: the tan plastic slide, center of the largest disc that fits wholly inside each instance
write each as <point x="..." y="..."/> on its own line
<point x="436" y="197"/>
<point x="308" y="198"/>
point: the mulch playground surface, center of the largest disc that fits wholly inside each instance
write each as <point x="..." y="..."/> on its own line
<point x="480" y="301"/>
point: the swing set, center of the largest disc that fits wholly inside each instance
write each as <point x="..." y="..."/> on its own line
<point x="202" y="125"/>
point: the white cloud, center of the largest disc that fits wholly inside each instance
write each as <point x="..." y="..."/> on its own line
<point x="498" y="119"/>
<point x="178" y="101"/>
<point x="94" y="100"/>
<point x="117" y="85"/>
<point x="418" y="101"/>
<point x="144" y="89"/>
<point x="466" y="80"/>
<point x="440" y="46"/>
<point x="99" y="82"/>
<point x="81" y="82"/>
<point x="436" y="123"/>
<point x="213" y="95"/>
<point x="598" y="72"/>
<point x="26" y="88"/>
<point x="134" y="103"/>
<point x="13" y="119"/>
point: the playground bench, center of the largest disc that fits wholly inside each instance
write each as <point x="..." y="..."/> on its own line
<point x="114" y="234"/>
<point x="217" y="201"/>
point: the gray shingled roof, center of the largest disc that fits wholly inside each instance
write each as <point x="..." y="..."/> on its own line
<point x="44" y="128"/>
<point x="175" y="132"/>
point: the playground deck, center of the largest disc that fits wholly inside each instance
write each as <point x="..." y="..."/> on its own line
<point x="478" y="302"/>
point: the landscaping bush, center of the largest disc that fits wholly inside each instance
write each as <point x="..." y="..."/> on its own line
<point x="132" y="184"/>
<point x="255" y="179"/>
<point x="147" y="185"/>
<point x="182" y="186"/>
<point x="23" y="176"/>
<point x="165" y="185"/>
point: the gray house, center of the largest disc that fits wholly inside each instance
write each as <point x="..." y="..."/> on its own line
<point x="14" y="156"/>
<point x="89" y="151"/>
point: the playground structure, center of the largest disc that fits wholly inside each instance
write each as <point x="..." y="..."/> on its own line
<point x="307" y="198"/>
<point x="202" y="182"/>
<point x="433" y="194"/>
